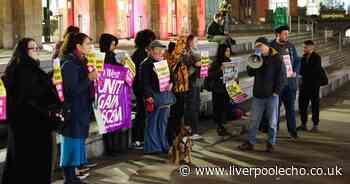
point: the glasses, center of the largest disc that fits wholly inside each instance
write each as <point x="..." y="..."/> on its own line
<point x="34" y="48"/>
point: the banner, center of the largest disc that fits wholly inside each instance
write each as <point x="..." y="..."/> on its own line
<point x="123" y="58"/>
<point x="230" y="71"/>
<point x="235" y="92"/>
<point x="57" y="78"/>
<point x="2" y="101"/>
<point x="205" y="64"/>
<point x="163" y="73"/>
<point x="113" y="104"/>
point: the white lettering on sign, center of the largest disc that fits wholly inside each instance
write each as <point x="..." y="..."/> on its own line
<point x="112" y="115"/>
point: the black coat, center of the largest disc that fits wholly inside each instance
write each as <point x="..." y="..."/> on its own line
<point x="78" y="95"/>
<point x="138" y="57"/>
<point x="310" y="71"/>
<point x="216" y="75"/>
<point x="149" y="79"/>
<point x="29" y="94"/>
<point x="215" y="29"/>
<point x="270" y="78"/>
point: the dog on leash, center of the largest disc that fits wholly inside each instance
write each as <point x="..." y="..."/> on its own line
<point x="181" y="148"/>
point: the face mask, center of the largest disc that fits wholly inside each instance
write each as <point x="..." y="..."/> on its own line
<point x="258" y="52"/>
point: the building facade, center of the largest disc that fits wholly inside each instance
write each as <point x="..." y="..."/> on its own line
<point x="46" y="20"/>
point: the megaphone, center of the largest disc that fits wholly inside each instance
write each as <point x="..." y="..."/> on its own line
<point x="255" y="61"/>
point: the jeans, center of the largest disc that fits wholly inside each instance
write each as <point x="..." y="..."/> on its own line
<point x="70" y="176"/>
<point x="288" y="97"/>
<point x="259" y="105"/>
<point x="155" y="139"/>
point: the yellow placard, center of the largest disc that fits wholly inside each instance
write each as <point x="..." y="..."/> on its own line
<point x="57" y="73"/>
<point x="2" y="89"/>
<point x="233" y="88"/>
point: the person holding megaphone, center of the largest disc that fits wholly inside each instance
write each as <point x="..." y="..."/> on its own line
<point x="269" y="76"/>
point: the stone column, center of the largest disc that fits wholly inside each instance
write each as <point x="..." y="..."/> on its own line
<point x="93" y="17"/>
<point x="197" y="17"/>
<point x="261" y="9"/>
<point x="293" y="7"/>
<point x="155" y="13"/>
<point x="6" y="24"/>
<point x="235" y="8"/>
<point x="27" y="19"/>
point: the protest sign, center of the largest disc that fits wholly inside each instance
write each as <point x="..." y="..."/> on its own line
<point x="113" y="104"/>
<point x="163" y="73"/>
<point x="2" y="101"/>
<point x="205" y="64"/>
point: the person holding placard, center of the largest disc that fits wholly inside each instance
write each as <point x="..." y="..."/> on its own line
<point x="291" y="61"/>
<point x="108" y="43"/>
<point x="157" y="86"/>
<point x="192" y="98"/>
<point x="220" y="97"/>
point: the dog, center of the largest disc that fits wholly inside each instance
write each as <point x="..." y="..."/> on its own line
<point x="181" y="148"/>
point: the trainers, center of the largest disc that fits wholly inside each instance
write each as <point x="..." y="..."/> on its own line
<point x="247" y="146"/>
<point x="83" y="176"/>
<point x="314" y="129"/>
<point x="137" y="145"/>
<point x="269" y="148"/>
<point x="196" y="137"/>
<point x="302" y="128"/>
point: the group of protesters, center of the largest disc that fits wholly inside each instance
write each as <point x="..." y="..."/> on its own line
<point x="163" y="105"/>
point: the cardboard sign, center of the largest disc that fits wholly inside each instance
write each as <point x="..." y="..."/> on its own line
<point x="2" y="101"/>
<point x="205" y="64"/>
<point x="230" y="71"/>
<point x="235" y="92"/>
<point x="57" y="78"/>
<point x="288" y="63"/>
<point x="100" y="61"/>
<point x="91" y="57"/>
<point x="123" y="58"/>
<point x="162" y="70"/>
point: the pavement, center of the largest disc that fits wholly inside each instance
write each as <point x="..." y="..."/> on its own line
<point x="327" y="149"/>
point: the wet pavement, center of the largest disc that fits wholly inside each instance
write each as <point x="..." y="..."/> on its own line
<point x="328" y="149"/>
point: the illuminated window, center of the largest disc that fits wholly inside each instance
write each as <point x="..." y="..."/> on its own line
<point x="273" y="4"/>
